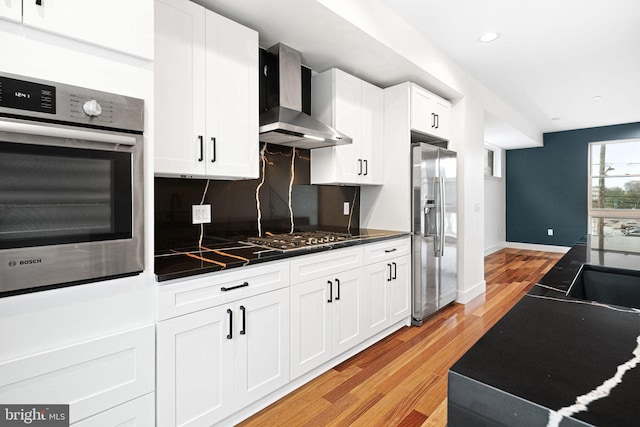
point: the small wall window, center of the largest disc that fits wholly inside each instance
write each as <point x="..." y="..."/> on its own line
<point x="492" y="161"/>
<point x="488" y="161"/>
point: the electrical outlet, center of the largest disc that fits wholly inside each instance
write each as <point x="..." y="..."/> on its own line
<point x="201" y="214"/>
<point x="549" y="231"/>
<point x="345" y="208"/>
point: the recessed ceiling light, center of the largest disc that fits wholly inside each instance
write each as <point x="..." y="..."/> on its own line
<point x="489" y="37"/>
<point x="595" y="98"/>
<point x="555" y="118"/>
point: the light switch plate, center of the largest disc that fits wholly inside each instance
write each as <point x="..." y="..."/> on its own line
<point x="549" y="231"/>
<point x="345" y="208"/>
<point x="201" y="214"/>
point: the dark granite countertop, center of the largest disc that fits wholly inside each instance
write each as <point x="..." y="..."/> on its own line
<point x="219" y="254"/>
<point x="554" y="360"/>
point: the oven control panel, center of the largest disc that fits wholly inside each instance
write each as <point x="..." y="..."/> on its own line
<point x="28" y="96"/>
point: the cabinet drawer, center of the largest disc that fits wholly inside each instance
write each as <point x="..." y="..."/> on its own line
<point x="186" y="296"/>
<point x="313" y="266"/>
<point x="382" y="251"/>
<point x="138" y="413"/>
<point x="91" y="376"/>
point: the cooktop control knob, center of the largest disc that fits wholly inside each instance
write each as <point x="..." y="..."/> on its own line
<point x="92" y="108"/>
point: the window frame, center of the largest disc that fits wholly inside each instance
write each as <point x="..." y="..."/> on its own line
<point x="593" y="213"/>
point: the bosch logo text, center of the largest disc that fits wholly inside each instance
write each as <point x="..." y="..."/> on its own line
<point x="25" y="262"/>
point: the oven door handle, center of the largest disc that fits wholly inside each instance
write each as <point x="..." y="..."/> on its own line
<point x="59" y="132"/>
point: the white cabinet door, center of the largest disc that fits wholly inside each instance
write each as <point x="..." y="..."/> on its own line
<point x="430" y="114"/>
<point x="206" y="94"/>
<point x="443" y="118"/>
<point x="310" y="325"/>
<point x="377" y="277"/>
<point x="372" y="134"/>
<point x="422" y="114"/>
<point x="122" y="25"/>
<point x="179" y="73"/>
<point x="348" y="120"/>
<point x="11" y="10"/>
<point x="399" y="299"/>
<point x="262" y="346"/>
<point x="354" y="108"/>
<point x="231" y="99"/>
<point x="387" y="284"/>
<point x="348" y="313"/>
<point x="195" y="360"/>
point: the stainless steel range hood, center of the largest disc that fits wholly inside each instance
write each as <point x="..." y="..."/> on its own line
<point x="285" y="123"/>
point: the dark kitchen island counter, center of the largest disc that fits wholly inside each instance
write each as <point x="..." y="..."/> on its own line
<point x="218" y="255"/>
<point x="553" y="360"/>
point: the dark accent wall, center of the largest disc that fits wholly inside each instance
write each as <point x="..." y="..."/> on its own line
<point x="234" y="211"/>
<point x="547" y="187"/>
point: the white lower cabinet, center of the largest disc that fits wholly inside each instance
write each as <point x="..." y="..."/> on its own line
<point x="91" y="377"/>
<point x="388" y="278"/>
<point x="327" y="318"/>
<point x="216" y="361"/>
<point x="135" y="413"/>
<point x="227" y="341"/>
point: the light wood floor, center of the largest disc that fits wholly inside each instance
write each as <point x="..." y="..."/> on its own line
<point x="402" y="380"/>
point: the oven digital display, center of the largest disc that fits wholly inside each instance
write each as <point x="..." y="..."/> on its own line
<point x="24" y="95"/>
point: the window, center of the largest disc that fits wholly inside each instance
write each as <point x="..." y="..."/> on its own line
<point x="488" y="161"/>
<point x="614" y="191"/>
<point x="492" y="161"/>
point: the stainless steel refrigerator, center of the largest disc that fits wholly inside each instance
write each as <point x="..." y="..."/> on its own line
<point x="434" y="230"/>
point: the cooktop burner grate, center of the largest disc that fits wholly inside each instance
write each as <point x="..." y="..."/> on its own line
<point x="299" y="240"/>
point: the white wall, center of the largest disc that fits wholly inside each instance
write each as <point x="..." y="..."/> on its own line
<point x="495" y="234"/>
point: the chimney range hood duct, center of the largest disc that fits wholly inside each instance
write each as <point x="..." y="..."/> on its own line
<point x="286" y="124"/>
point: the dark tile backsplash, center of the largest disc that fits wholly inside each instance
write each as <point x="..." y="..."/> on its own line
<point x="234" y="208"/>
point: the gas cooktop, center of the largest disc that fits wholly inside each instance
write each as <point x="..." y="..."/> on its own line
<point x="299" y="240"/>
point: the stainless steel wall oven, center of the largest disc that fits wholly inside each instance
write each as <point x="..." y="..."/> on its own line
<point x="71" y="185"/>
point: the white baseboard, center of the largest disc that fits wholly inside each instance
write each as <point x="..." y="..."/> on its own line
<point x="494" y="248"/>
<point x="476" y="290"/>
<point x="537" y="247"/>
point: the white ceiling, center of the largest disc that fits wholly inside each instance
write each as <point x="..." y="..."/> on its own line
<point x="552" y="58"/>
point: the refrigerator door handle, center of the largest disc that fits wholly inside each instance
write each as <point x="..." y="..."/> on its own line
<point x="438" y="242"/>
<point x="442" y="212"/>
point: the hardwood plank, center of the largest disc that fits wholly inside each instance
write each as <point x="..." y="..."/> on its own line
<point x="402" y="380"/>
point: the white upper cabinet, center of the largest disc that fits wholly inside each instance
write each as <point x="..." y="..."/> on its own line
<point x="206" y="94"/>
<point x="355" y="108"/>
<point x="430" y="114"/>
<point x="11" y="10"/>
<point x="122" y="25"/>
